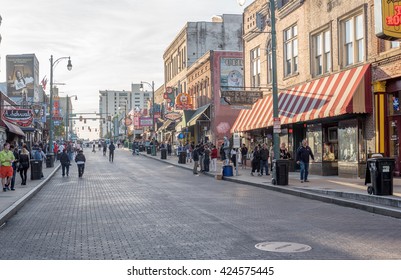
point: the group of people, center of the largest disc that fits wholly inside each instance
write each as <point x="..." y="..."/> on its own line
<point x="205" y="157"/>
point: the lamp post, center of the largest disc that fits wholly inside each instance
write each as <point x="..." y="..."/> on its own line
<point x="67" y="118"/>
<point x="152" y="85"/>
<point x="52" y="65"/>
<point x="276" y="136"/>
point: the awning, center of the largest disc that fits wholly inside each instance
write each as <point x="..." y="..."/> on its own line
<point x="198" y="113"/>
<point x="346" y="92"/>
<point x="14" y="128"/>
<point x="165" y="125"/>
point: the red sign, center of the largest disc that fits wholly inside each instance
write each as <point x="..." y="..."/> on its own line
<point x="21" y="117"/>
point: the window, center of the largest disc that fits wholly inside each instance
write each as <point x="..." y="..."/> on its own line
<point x="394" y="44"/>
<point x="353" y="38"/>
<point x="291" y="51"/>
<point x="269" y="63"/>
<point x="255" y="67"/>
<point x="321" y="49"/>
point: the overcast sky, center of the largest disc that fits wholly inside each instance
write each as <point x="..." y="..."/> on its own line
<point x="112" y="43"/>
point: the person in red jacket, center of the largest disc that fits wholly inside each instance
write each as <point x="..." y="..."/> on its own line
<point x="213" y="157"/>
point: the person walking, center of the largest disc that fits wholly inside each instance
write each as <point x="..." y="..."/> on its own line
<point x="65" y="163"/>
<point x="264" y="156"/>
<point x="206" y="158"/>
<point x="213" y="156"/>
<point x="80" y="160"/>
<point x="111" y="151"/>
<point x="6" y="169"/>
<point x="195" y="158"/>
<point x="244" y="155"/>
<point x="104" y="148"/>
<point x="24" y="161"/>
<point x="15" y="165"/>
<point x="255" y="162"/>
<point x="304" y="152"/>
<point x="233" y="157"/>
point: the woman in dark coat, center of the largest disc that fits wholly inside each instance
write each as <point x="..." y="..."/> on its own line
<point x="24" y="160"/>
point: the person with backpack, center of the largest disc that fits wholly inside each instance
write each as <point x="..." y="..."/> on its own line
<point x="80" y="160"/>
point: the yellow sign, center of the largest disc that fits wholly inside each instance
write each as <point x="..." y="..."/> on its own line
<point x="388" y="19"/>
<point x="379" y="86"/>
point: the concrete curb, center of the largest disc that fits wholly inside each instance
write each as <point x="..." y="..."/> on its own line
<point x="16" y="206"/>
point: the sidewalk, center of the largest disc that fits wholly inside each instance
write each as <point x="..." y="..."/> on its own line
<point x="333" y="189"/>
<point x="12" y="201"/>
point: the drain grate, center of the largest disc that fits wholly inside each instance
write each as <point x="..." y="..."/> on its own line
<point x="283" y="247"/>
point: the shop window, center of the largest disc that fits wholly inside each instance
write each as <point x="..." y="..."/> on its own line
<point x="393" y="103"/>
<point x="330" y="148"/>
<point x="347" y="141"/>
<point x="394" y="141"/>
<point x="314" y="137"/>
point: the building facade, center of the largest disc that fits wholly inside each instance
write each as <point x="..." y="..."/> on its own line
<point x="324" y="80"/>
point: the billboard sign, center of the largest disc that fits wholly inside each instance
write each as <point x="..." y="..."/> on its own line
<point x="231" y="75"/>
<point x="145" y="121"/>
<point x="241" y="97"/>
<point x="22" y="78"/>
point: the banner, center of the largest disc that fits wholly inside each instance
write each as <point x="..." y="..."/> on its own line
<point x="21" y="117"/>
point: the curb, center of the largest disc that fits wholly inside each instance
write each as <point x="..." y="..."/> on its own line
<point x="16" y="206"/>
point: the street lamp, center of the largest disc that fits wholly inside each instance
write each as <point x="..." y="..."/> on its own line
<point x="67" y="118"/>
<point x="276" y="136"/>
<point x="52" y="65"/>
<point x="153" y="102"/>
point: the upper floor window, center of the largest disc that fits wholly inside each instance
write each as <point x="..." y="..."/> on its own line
<point x="291" y="51"/>
<point x="269" y="63"/>
<point x="255" y="67"/>
<point x="353" y="40"/>
<point x="321" y="53"/>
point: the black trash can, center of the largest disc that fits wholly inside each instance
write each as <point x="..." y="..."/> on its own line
<point x="163" y="153"/>
<point x="280" y="172"/>
<point x="182" y="158"/>
<point x="50" y="160"/>
<point x="36" y="169"/>
<point x="148" y="150"/>
<point x="381" y="176"/>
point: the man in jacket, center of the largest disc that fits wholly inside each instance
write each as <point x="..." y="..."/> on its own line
<point x="111" y="151"/>
<point x="80" y="160"/>
<point x="303" y="154"/>
<point x="264" y="156"/>
<point x="65" y="163"/>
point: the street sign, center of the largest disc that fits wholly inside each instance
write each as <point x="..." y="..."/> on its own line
<point x="236" y="140"/>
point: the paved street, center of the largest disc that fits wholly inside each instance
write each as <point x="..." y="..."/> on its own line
<point x="139" y="208"/>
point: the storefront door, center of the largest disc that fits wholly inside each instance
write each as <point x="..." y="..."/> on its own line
<point x="394" y="142"/>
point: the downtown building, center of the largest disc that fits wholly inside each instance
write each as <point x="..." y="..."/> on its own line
<point x="191" y="95"/>
<point x="328" y="61"/>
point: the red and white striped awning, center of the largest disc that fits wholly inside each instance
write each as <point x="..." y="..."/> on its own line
<point x="347" y="92"/>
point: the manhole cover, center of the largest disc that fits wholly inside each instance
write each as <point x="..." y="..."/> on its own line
<point x="283" y="247"/>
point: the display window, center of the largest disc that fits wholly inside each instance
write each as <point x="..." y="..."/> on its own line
<point x="393" y="103"/>
<point x="348" y="141"/>
<point x="314" y="136"/>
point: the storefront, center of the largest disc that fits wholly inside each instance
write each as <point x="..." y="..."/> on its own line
<point x="330" y="112"/>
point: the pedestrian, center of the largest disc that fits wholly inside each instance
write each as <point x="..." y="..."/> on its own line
<point x="195" y="158"/>
<point x="24" y="161"/>
<point x="104" y="148"/>
<point x="303" y="154"/>
<point x="201" y="153"/>
<point x="70" y="151"/>
<point x="206" y="158"/>
<point x="65" y="163"/>
<point x="6" y="169"/>
<point x="111" y="151"/>
<point x="94" y="148"/>
<point x="271" y="156"/>
<point x="244" y="155"/>
<point x="284" y="154"/>
<point x="255" y="162"/>
<point x="14" y="165"/>
<point x="233" y="156"/>
<point x="213" y="157"/>
<point x="169" y="149"/>
<point x="80" y="160"/>
<point x="264" y="156"/>
<point x="222" y="153"/>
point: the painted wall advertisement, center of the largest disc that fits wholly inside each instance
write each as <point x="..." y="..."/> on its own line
<point x="231" y="75"/>
<point x="22" y="78"/>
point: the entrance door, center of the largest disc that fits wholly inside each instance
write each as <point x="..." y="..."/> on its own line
<point x="394" y="142"/>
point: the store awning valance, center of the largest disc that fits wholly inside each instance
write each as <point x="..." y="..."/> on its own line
<point x="346" y="92"/>
<point x="198" y="113"/>
<point x="14" y="128"/>
<point x="165" y="125"/>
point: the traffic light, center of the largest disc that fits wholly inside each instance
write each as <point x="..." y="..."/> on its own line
<point x="80" y="118"/>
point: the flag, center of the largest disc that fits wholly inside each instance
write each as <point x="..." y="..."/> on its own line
<point x="44" y="82"/>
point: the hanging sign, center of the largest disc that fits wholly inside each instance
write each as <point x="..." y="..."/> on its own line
<point x="21" y="117"/>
